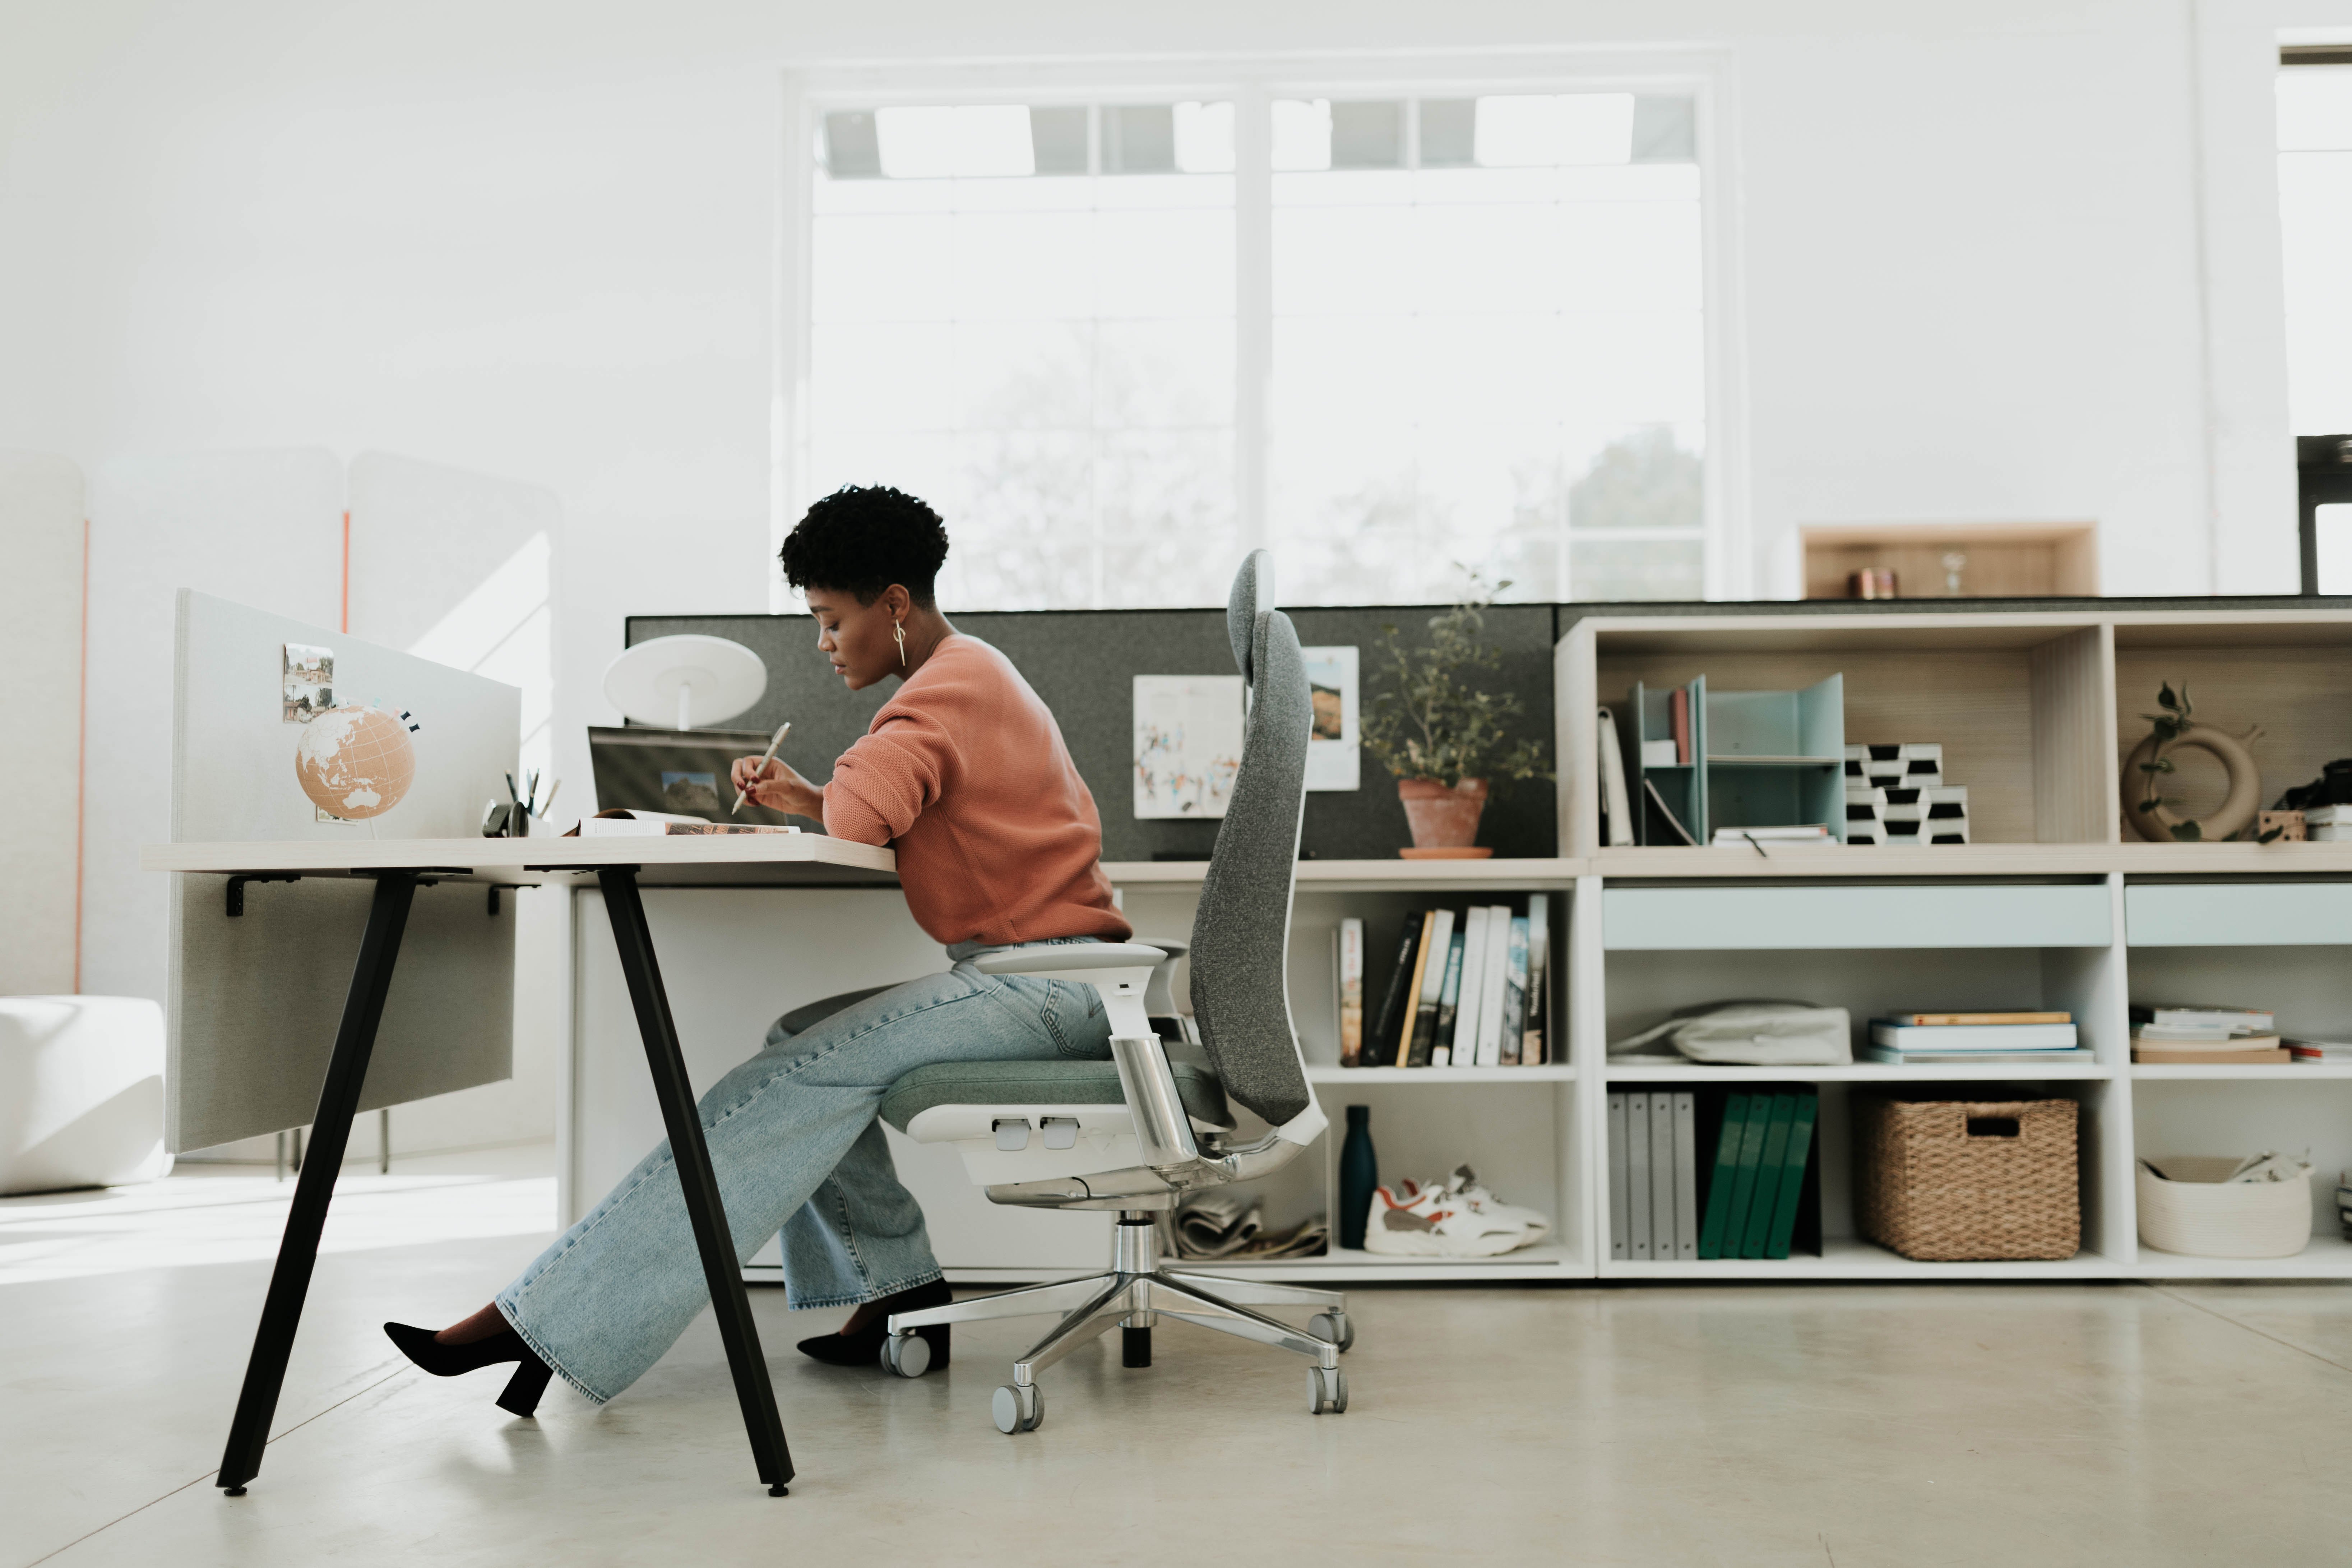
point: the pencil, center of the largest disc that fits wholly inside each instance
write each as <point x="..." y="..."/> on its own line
<point x="743" y="794"/>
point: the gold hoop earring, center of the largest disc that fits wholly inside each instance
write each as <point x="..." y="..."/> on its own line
<point x="899" y="630"/>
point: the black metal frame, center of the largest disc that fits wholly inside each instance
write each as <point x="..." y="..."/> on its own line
<point x="297" y="1253"/>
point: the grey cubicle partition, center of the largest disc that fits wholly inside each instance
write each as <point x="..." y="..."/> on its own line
<point x="256" y="997"/>
<point x="1083" y="664"/>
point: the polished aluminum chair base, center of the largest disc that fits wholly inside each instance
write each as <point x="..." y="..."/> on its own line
<point x="1134" y="1294"/>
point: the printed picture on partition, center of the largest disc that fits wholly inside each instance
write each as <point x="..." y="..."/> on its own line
<point x="1188" y="743"/>
<point x="1334" y="752"/>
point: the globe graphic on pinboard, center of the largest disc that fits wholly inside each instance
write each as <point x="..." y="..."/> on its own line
<point x="356" y="763"/>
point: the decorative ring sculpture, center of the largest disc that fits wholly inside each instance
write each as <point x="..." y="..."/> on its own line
<point x="2231" y="817"/>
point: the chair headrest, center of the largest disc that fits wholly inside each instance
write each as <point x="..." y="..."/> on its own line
<point x="1253" y="596"/>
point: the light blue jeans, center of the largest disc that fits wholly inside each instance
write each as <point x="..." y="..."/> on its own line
<point x="797" y="1146"/>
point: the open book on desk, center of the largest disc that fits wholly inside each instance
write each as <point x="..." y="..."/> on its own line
<point x="620" y="824"/>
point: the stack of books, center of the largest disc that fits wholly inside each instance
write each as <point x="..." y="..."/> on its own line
<point x="2320" y="1053"/>
<point x="2209" y="1037"/>
<point x="2327" y="824"/>
<point x="1896" y="794"/>
<point x="1468" y="991"/>
<point x="1700" y="1175"/>
<point x="1908" y="1039"/>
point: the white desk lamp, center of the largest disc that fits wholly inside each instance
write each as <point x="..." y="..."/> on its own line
<point x="685" y="681"/>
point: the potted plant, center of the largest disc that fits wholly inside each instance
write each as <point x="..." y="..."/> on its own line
<point x="1445" y="739"/>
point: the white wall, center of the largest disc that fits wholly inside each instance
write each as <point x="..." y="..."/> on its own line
<point x="2013" y="260"/>
<point x="40" y="718"/>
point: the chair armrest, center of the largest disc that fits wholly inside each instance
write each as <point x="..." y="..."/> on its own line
<point x="1063" y="959"/>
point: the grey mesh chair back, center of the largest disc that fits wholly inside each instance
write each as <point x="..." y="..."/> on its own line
<point x="1241" y="936"/>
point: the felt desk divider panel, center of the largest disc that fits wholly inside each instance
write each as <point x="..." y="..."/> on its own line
<point x="1083" y="664"/>
<point x="255" y="999"/>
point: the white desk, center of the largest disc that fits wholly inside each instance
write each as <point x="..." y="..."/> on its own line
<point x="619" y="866"/>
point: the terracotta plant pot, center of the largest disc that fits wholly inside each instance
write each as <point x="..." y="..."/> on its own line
<point x="1445" y="819"/>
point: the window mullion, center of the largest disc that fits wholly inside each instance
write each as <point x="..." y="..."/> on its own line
<point x="1252" y="311"/>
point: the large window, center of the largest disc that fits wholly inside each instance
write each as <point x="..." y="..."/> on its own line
<point x="1396" y="339"/>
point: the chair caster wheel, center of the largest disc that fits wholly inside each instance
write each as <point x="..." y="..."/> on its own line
<point x="908" y="1354"/>
<point x="1333" y="1327"/>
<point x="1020" y="1409"/>
<point x="1326" y="1391"/>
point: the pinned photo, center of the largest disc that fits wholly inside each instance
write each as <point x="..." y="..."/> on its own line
<point x="306" y="682"/>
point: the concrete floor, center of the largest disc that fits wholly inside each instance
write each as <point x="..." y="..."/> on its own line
<point x="1844" y="1425"/>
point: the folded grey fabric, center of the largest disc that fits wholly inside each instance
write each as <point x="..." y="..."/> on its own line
<point x="1747" y="1033"/>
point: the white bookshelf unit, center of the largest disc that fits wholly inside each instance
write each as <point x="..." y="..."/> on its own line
<point x="2053" y="905"/>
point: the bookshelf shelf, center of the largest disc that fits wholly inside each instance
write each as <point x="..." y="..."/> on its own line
<point x="2329" y="1256"/>
<point x="1548" y="1072"/>
<point x="1848" y="1257"/>
<point x="2293" y="1072"/>
<point x="1865" y="1072"/>
<point x="1399" y="876"/>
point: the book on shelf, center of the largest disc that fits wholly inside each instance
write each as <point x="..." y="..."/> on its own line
<point x="1892" y="1057"/>
<point x="1449" y="1003"/>
<point x="1964" y="1020"/>
<point x="2222" y="1020"/>
<point x="2265" y="1057"/>
<point x="1686" y="1174"/>
<point x="2158" y="1044"/>
<point x="1350" y="940"/>
<point x="1620" y="1220"/>
<point x="1765" y="1199"/>
<point x="1662" y="1176"/>
<point x="1743" y="1178"/>
<point x="1478" y="922"/>
<point x="2327" y="1053"/>
<point x="1678" y="709"/>
<point x="1637" y="1174"/>
<point x="1802" y="1116"/>
<point x="1616" y="804"/>
<point x="1724" y="1170"/>
<point x="1531" y="1051"/>
<point x="1497" y="964"/>
<point x="1437" y="952"/>
<point x="1396" y="1010"/>
<point x="1807" y="835"/>
<point x="1971" y="1037"/>
<point x="1514" y="980"/>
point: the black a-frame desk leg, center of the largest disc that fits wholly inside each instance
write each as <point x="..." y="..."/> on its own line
<point x="339" y="1100"/>
<point x="720" y="1267"/>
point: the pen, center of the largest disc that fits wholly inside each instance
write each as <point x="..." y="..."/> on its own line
<point x="745" y="793"/>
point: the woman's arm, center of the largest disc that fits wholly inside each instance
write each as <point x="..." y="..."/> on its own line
<point x="778" y="787"/>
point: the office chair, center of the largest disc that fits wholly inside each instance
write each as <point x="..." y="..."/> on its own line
<point x="1138" y="1132"/>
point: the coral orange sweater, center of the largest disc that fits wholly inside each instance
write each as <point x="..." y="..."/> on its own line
<point x="964" y="772"/>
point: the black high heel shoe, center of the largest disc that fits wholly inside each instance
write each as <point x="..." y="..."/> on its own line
<point x="864" y="1348"/>
<point x="522" y="1390"/>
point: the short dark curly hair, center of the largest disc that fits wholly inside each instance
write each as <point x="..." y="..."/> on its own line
<point x="862" y="538"/>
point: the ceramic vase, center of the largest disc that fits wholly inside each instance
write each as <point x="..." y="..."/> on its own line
<point x="1360" y="1172"/>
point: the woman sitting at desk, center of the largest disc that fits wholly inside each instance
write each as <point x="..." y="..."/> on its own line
<point x="964" y="774"/>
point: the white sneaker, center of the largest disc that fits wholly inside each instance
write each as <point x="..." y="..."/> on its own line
<point x="1427" y="1222"/>
<point x="1466" y="1188"/>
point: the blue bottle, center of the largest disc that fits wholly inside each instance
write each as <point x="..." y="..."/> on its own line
<point x="1360" y="1172"/>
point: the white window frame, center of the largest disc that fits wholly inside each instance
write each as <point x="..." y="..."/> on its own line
<point x="811" y="92"/>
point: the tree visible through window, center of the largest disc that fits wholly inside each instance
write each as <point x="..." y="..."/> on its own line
<point x="1480" y="318"/>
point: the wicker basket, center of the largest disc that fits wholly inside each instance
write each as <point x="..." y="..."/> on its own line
<point x="1950" y="1180"/>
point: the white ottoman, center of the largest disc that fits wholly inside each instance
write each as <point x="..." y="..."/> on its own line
<point x="81" y="1092"/>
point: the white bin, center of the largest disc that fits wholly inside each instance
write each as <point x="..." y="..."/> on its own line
<point x="2202" y="1215"/>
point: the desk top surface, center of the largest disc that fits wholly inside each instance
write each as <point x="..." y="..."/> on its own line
<point x="771" y="859"/>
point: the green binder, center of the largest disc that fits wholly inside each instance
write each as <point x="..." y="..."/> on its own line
<point x="1726" y="1171"/>
<point x="1767" y="1200"/>
<point x="1743" y="1182"/>
<point x="1792" y="1174"/>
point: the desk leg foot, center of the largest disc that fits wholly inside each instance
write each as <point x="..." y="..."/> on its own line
<point x="339" y="1100"/>
<point x="780" y="1491"/>
<point x="720" y="1268"/>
